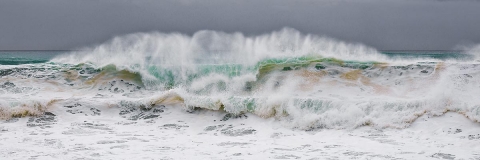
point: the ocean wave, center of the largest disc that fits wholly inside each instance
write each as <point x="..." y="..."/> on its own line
<point x="304" y="81"/>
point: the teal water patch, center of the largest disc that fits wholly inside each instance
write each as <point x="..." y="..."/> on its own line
<point x="27" y="57"/>
<point x="177" y="75"/>
<point x="440" y="55"/>
<point x="172" y="76"/>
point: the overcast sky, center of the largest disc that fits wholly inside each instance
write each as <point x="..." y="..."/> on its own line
<point x="383" y="24"/>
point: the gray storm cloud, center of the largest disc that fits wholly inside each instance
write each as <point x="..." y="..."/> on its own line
<point x="385" y="25"/>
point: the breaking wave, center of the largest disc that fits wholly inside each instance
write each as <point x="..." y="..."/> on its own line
<point x="304" y="81"/>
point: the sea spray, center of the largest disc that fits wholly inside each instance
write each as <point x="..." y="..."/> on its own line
<point x="304" y="81"/>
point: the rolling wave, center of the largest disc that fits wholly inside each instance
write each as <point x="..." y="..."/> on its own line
<point x="305" y="81"/>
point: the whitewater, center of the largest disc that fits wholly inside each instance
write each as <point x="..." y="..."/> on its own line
<point x="216" y="95"/>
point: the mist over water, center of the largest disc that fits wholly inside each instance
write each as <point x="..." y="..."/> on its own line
<point x="213" y="47"/>
<point x="155" y="54"/>
<point x="475" y="52"/>
<point x="304" y="81"/>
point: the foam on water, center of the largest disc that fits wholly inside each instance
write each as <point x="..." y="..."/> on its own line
<point x="304" y="81"/>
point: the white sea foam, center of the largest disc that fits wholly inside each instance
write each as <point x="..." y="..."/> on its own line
<point x="284" y="74"/>
<point x="213" y="47"/>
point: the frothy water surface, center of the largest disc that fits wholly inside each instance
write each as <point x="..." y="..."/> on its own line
<point x="172" y="92"/>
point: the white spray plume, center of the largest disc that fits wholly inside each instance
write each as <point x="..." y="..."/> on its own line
<point x="212" y="47"/>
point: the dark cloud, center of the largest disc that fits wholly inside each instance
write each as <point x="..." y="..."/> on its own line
<point x="384" y="24"/>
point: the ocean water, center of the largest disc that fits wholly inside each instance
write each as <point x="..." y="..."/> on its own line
<point x="279" y="86"/>
<point x="27" y="57"/>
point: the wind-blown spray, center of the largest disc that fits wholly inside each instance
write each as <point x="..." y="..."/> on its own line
<point x="306" y="81"/>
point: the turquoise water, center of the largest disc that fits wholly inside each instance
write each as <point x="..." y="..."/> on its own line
<point x="27" y="57"/>
<point x="441" y="55"/>
<point x="171" y="77"/>
<point x="32" y="57"/>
